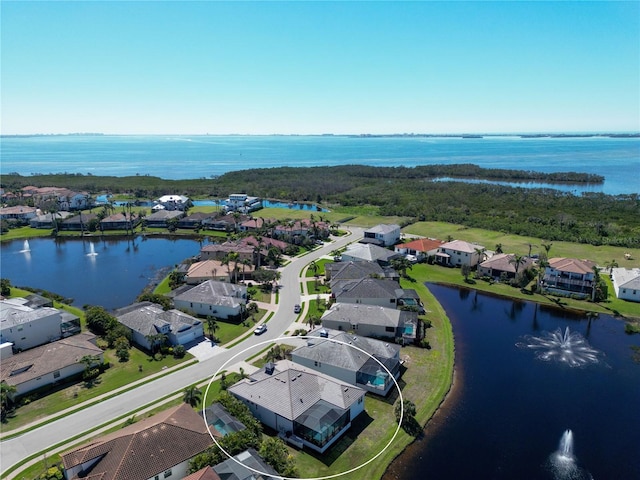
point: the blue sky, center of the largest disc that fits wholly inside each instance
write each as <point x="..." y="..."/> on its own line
<point x="319" y="67"/>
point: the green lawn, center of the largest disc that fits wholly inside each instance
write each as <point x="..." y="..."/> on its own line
<point x="520" y="245"/>
<point x="321" y="262"/>
<point x="229" y="331"/>
<point x="118" y="375"/>
<point x="314" y="286"/>
<point x="25" y="232"/>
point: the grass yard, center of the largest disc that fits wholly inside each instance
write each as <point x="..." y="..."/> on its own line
<point x="118" y="375"/>
<point x="321" y="262"/>
<point x="520" y="245"/>
<point x="228" y="331"/>
<point x="316" y="286"/>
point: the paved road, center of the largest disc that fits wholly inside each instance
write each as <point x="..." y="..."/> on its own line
<point x="44" y="438"/>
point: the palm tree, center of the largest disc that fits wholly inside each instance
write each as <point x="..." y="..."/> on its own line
<point x="192" y="395"/>
<point x="213" y="326"/>
<point x="547" y="247"/>
<point x="482" y="255"/>
<point x="531" y="245"/>
<point x="245" y="262"/>
<point x="516" y="261"/>
<point x="611" y="265"/>
<point x="6" y="396"/>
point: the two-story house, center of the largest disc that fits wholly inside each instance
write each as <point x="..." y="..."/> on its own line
<point x="569" y="275"/>
<point x="383" y="235"/>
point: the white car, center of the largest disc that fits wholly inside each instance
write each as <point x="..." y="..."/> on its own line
<point x="260" y="330"/>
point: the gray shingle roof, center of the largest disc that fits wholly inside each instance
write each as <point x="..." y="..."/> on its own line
<point x="291" y="390"/>
<point x="365" y="314"/>
<point x="218" y="293"/>
<point x="147" y="318"/>
<point x="365" y="288"/>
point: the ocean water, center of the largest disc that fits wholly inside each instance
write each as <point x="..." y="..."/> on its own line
<point x="205" y="156"/>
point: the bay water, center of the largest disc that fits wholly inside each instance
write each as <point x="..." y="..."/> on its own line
<point x="208" y="156"/>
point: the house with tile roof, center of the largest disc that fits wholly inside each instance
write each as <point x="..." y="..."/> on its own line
<point x="458" y="252"/>
<point x="569" y="276"/>
<point x="48" y="364"/>
<point x="502" y="265"/>
<point x="303" y="406"/>
<point x="18" y="212"/>
<point x="156" y="447"/>
<point x="119" y="221"/>
<point x="247" y="465"/>
<point x="146" y="318"/>
<point x="372" y="321"/>
<point x="218" y="251"/>
<point x="219" y="299"/>
<point x="204" y="270"/>
<point x="421" y="248"/>
<point x="626" y="283"/>
<point x="195" y="220"/>
<point x="383" y="235"/>
<point x="354" y="359"/>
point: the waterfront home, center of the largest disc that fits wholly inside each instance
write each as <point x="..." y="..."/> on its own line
<point x="569" y="276"/>
<point x="160" y="218"/>
<point x="242" y="203"/>
<point x="369" y="291"/>
<point x="18" y="212"/>
<point x="156" y="447"/>
<point x="503" y="266"/>
<point x="351" y="358"/>
<point x="296" y="229"/>
<point x="458" y="252"/>
<point x="360" y="252"/>
<point x="26" y="327"/>
<point x="383" y="235"/>
<point x="420" y="248"/>
<point x="147" y="321"/>
<point x="218" y="251"/>
<point x="306" y="408"/>
<point x="219" y="299"/>
<point x="48" y="364"/>
<point x="626" y="283"/>
<point x="64" y="198"/>
<point x="46" y="220"/>
<point x="224" y="223"/>
<point x="372" y="321"/>
<point x="78" y="222"/>
<point x="173" y="202"/>
<point x="199" y="272"/>
<point x="195" y="220"/>
<point x="120" y="221"/>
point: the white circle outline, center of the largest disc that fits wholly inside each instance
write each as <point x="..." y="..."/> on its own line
<point x="335" y="475"/>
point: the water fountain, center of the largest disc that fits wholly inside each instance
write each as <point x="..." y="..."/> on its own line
<point x="566" y="347"/>
<point x="562" y="462"/>
<point x="25" y="247"/>
<point x="92" y="250"/>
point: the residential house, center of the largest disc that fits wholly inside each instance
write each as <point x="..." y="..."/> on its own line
<point x="78" y="222"/>
<point x="46" y="220"/>
<point x="364" y="362"/>
<point x="63" y="198"/>
<point x="146" y="319"/>
<point x="218" y="251"/>
<point x="19" y="212"/>
<point x="49" y="364"/>
<point x="224" y="223"/>
<point x="420" y="248"/>
<point x="241" y="202"/>
<point x="153" y="448"/>
<point x="569" y="275"/>
<point x="369" y="291"/>
<point x="297" y="229"/>
<point x="247" y="465"/>
<point x="359" y="252"/>
<point x="458" y="252"/>
<point x="372" y="321"/>
<point x="28" y="327"/>
<point x="626" y="283"/>
<point x="119" y="221"/>
<point x="161" y="218"/>
<point x="339" y="271"/>
<point x="207" y="270"/>
<point x="503" y="266"/>
<point x="195" y="220"/>
<point x="306" y="407"/>
<point x="173" y="202"/>
<point x="253" y="224"/>
<point x="220" y="299"/>
<point x="383" y="235"/>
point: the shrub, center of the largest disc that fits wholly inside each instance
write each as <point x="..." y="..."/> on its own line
<point x="424" y="343"/>
<point x="179" y="351"/>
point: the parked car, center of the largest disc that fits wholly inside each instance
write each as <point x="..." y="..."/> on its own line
<point x="260" y="330"/>
<point x="297" y="309"/>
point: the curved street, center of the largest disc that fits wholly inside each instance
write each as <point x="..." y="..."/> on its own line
<point x="45" y="437"/>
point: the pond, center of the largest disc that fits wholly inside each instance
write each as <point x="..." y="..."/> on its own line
<point x="531" y="399"/>
<point x="106" y="272"/>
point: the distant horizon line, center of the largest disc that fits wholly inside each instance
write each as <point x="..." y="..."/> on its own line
<point x="328" y="134"/>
